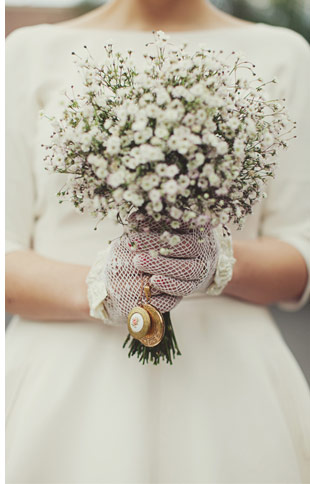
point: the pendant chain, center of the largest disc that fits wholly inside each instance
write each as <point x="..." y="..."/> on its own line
<point x="145" y="289"/>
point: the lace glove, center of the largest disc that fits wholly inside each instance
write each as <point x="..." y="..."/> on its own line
<point x="202" y="262"/>
<point x="114" y="285"/>
<point x="188" y="266"/>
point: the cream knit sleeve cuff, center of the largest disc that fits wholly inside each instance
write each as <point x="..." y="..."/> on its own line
<point x="96" y="289"/>
<point x="225" y="263"/>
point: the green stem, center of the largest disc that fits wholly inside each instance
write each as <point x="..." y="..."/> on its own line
<point x="167" y="348"/>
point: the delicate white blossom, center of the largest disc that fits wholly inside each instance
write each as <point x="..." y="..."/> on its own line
<point x="186" y="135"/>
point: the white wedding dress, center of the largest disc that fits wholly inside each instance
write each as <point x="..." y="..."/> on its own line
<point x="235" y="407"/>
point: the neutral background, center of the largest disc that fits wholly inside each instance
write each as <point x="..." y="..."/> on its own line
<point x="294" y="14"/>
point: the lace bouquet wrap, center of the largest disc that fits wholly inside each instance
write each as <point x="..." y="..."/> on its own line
<point x="175" y="150"/>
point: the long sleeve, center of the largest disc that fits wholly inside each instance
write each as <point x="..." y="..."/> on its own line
<point x="286" y="210"/>
<point x="21" y="113"/>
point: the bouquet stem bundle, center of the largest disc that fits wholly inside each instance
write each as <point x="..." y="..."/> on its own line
<point x="166" y="349"/>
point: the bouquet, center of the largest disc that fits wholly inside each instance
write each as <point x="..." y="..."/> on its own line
<point x="189" y="139"/>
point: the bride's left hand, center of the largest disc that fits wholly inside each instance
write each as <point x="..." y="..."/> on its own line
<point x="190" y="265"/>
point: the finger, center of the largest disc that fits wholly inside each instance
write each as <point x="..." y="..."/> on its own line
<point x="184" y="269"/>
<point x="190" y="245"/>
<point x="171" y="286"/>
<point x="165" y="302"/>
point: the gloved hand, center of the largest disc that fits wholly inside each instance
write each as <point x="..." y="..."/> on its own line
<point x="190" y="265"/>
<point x="118" y="272"/>
<point x="124" y="284"/>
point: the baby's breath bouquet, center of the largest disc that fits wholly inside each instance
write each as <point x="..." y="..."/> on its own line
<point x="186" y="137"/>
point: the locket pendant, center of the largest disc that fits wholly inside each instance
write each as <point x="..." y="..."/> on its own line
<point x="157" y="329"/>
<point x="139" y="322"/>
<point x="145" y="323"/>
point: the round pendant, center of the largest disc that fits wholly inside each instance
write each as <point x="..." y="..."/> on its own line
<point x="139" y="322"/>
<point x="157" y="329"/>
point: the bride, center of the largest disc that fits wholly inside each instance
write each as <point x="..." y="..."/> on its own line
<point x="235" y="407"/>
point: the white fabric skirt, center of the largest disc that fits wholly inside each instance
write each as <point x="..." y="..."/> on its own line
<point x="234" y="408"/>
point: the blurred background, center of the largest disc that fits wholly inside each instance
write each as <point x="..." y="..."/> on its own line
<point x="294" y="14"/>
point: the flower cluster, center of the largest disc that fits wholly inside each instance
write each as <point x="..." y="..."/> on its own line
<point x="190" y="136"/>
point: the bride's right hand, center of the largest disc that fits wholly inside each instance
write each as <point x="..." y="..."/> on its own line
<point x="115" y="274"/>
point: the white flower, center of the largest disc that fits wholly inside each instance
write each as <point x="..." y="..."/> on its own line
<point x="178" y="91"/>
<point x="214" y="179"/>
<point x="164" y="251"/>
<point x="233" y="123"/>
<point x="222" y="148"/>
<point x="171" y="171"/>
<point x="250" y="127"/>
<point x="117" y="178"/>
<point x="101" y="100"/>
<point x="165" y="236"/>
<point x="157" y="142"/>
<point x="143" y="135"/>
<point x="97" y="160"/>
<point x="224" y="217"/>
<point x="239" y="148"/>
<point x="173" y="143"/>
<point x="175" y="224"/>
<point x="175" y="212"/>
<point x="200" y="159"/>
<point x="151" y="110"/>
<point x="101" y="171"/>
<point x="201" y="115"/>
<point x="132" y="108"/>
<point x="210" y="126"/>
<point x="189" y="119"/>
<point x="157" y="206"/>
<point x="146" y="183"/>
<point x="171" y="115"/>
<point x="127" y="195"/>
<point x="170" y="187"/>
<point x="161" y="169"/>
<point x="137" y="200"/>
<point x="151" y="153"/>
<point x="197" y="90"/>
<point x="174" y="240"/>
<point x="118" y="195"/>
<point x="86" y="141"/>
<point x="268" y="139"/>
<point x="183" y="181"/>
<point x="162" y="96"/>
<point x="188" y="215"/>
<point x="154" y="179"/>
<point x="113" y="145"/>
<point x="171" y="198"/>
<point x="161" y="35"/>
<point x="202" y="220"/>
<point x="87" y="111"/>
<point x="155" y="195"/>
<point x="196" y="128"/>
<point x="223" y="190"/>
<point x="161" y="132"/>
<point x="183" y="147"/>
<point x="211" y="139"/>
<point x="202" y="183"/>
<point x="139" y="124"/>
